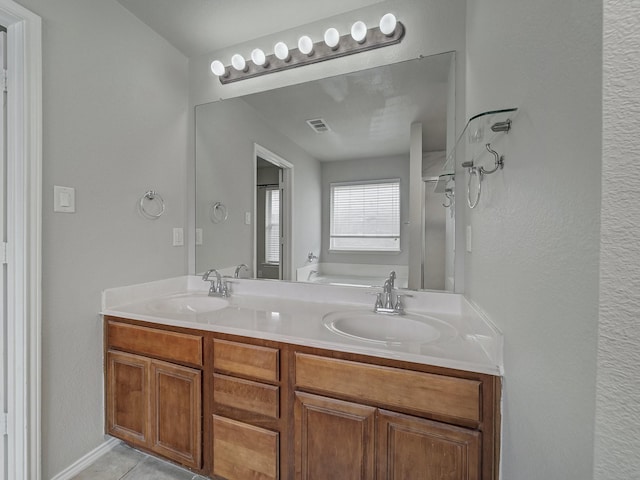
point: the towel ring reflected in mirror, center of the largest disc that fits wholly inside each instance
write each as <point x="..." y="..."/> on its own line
<point x="218" y="212"/>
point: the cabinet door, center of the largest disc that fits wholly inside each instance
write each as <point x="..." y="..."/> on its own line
<point x="176" y="412"/>
<point x="333" y="439"/>
<point x="418" y="449"/>
<point x="128" y="387"/>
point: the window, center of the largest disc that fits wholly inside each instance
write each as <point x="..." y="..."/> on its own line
<point x="272" y="226"/>
<point x="365" y="216"/>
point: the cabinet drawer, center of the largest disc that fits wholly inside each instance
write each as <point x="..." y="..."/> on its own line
<point x="261" y="363"/>
<point x="246" y="395"/>
<point x="172" y="346"/>
<point x="391" y="387"/>
<point x="242" y="451"/>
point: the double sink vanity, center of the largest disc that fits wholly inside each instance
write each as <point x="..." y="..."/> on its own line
<point x="303" y="381"/>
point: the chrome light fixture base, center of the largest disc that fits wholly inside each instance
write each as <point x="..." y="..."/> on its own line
<point x="320" y="52"/>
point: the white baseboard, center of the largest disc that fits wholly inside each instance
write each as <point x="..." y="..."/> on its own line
<point x="87" y="460"/>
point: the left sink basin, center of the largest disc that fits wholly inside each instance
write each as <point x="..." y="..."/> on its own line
<point x="188" y="303"/>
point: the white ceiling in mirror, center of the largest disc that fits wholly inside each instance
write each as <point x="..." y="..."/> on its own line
<point x="196" y="27"/>
<point x="368" y="113"/>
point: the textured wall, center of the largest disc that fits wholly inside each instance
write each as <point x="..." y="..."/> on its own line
<point x="115" y="124"/>
<point x="535" y="234"/>
<point x="617" y="446"/>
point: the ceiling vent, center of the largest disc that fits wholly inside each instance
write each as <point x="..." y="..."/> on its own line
<point x="318" y="125"/>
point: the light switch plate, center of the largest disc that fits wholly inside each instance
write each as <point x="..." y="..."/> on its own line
<point x="468" y="238"/>
<point x="178" y="237"/>
<point x="198" y="236"/>
<point x="64" y="199"/>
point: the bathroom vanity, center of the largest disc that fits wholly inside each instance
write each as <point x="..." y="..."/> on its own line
<point x="261" y="387"/>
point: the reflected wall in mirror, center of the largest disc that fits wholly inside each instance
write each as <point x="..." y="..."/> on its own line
<point x="333" y="180"/>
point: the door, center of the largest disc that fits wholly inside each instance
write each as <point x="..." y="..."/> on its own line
<point x="419" y="449"/>
<point x="333" y="439"/>
<point x="273" y="178"/>
<point x="176" y="412"/>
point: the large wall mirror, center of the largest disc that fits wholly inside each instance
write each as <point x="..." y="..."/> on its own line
<point x="333" y="180"/>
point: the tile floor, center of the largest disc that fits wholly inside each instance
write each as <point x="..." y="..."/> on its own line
<point x="125" y="463"/>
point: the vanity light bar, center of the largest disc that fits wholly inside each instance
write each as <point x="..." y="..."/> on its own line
<point x="360" y="39"/>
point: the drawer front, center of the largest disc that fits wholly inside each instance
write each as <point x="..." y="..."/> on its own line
<point x="261" y="363"/>
<point x="242" y="451"/>
<point x="246" y="395"/>
<point x="152" y="342"/>
<point x="390" y="387"/>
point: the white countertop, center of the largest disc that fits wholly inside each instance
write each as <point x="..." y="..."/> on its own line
<point x="293" y="313"/>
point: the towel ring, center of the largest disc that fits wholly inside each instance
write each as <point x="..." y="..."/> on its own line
<point x="153" y="197"/>
<point x="474" y="171"/>
<point x="218" y="212"/>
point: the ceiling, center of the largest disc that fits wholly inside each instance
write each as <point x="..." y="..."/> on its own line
<point x="369" y="113"/>
<point x="197" y="27"/>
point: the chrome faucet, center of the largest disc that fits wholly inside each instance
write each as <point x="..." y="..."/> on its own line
<point x="389" y="301"/>
<point x="218" y="287"/>
<point x="238" y="268"/>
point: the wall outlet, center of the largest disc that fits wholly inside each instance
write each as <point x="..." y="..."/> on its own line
<point x="198" y="236"/>
<point x="178" y="237"/>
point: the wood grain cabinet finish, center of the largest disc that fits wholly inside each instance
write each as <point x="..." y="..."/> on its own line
<point x="246" y="395"/>
<point x="156" y="343"/>
<point x="155" y="405"/>
<point x="334" y="439"/>
<point x="152" y="403"/>
<point x="245" y="360"/>
<point x="283" y="412"/>
<point x="127" y="397"/>
<point x="418" y="449"/>
<point x="457" y="398"/>
<point x="242" y="451"/>
<point x="176" y="412"/>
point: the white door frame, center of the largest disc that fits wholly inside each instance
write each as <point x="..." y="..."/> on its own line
<point x="287" y="181"/>
<point x="24" y="220"/>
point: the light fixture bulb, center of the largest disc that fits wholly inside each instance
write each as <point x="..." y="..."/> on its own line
<point x="388" y="24"/>
<point x="238" y="62"/>
<point x="258" y="57"/>
<point x="332" y="38"/>
<point x="218" y="69"/>
<point x="305" y="45"/>
<point x="359" y="31"/>
<point x="282" y="51"/>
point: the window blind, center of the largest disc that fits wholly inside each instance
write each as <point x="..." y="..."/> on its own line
<point x="365" y="216"/>
<point x="272" y="226"/>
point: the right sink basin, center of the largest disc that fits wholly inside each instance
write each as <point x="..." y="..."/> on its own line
<point x="387" y="329"/>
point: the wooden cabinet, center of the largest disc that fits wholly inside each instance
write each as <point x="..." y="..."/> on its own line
<point x="238" y="408"/>
<point x="334" y="435"/>
<point x="334" y="439"/>
<point x="154" y="404"/>
<point x="246" y="420"/>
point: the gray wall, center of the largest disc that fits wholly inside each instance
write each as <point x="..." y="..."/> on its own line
<point x="534" y="262"/>
<point x="225" y="135"/>
<point x="618" y="389"/>
<point x="115" y="125"/>
<point x="366" y="169"/>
